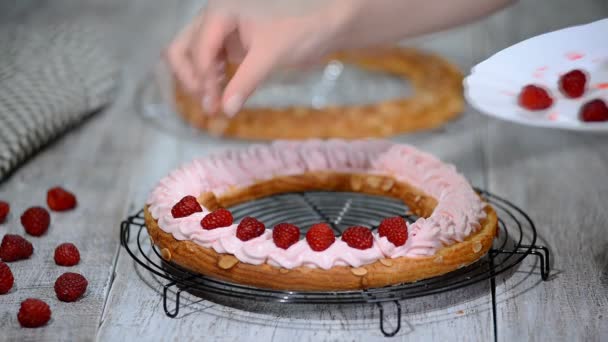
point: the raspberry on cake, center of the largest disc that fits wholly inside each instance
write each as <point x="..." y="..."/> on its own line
<point x="219" y="218"/>
<point x="358" y="237"/>
<point x="186" y="207"/>
<point x="395" y="230"/>
<point x="455" y="226"/>
<point x="285" y="235"/>
<point x="320" y="236"/>
<point x="249" y="228"/>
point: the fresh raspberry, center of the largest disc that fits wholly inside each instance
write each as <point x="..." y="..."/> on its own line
<point x="33" y="313"/>
<point x="535" y="98"/>
<point x="594" y="111"/>
<point x="59" y="199"/>
<point x="320" y="236"/>
<point x="5" y="208"/>
<point x="395" y="230"/>
<point x="285" y="235"/>
<point x="70" y="286"/>
<point x="249" y="228"/>
<point x="186" y="207"/>
<point x="36" y="221"/>
<point x="67" y="254"/>
<point x="217" y="219"/>
<point x="358" y="237"/>
<point x="14" y="247"/>
<point x="572" y="83"/>
<point x="6" y="278"/>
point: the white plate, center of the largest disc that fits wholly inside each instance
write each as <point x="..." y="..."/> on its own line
<point x="493" y="85"/>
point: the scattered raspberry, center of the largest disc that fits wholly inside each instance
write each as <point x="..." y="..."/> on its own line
<point x="320" y="236"/>
<point x="285" y="235"/>
<point x="67" y="254"/>
<point x="249" y="228"/>
<point x="186" y="207"/>
<point x="395" y="230"/>
<point x="6" y="278"/>
<point x="572" y="84"/>
<point x="594" y="111"/>
<point x="535" y="98"/>
<point x="36" y="221"/>
<point x="15" y="247"/>
<point x="217" y="219"/>
<point x="70" y="286"/>
<point x="60" y="199"/>
<point x="5" y="208"/>
<point x="358" y="237"/>
<point x="33" y="313"/>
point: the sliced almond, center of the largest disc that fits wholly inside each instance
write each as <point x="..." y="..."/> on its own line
<point x="417" y="198"/>
<point x="386" y="262"/>
<point x="477" y="246"/>
<point x="438" y="259"/>
<point x="283" y="270"/>
<point x="227" y="262"/>
<point x="166" y="254"/>
<point x="359" y="271"/>
<point x="388" y="184"/>
<point x="373" y="182"/>
<point x="355" y="183"/>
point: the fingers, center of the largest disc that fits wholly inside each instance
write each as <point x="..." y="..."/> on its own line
<point x="256" y="66"/>
<point x="212" y="84"/>
<point x="207" y="49"/>
<point x="178" y="57"/>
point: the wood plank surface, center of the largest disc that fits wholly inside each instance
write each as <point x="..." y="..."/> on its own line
<point x="114" y="160"/>
<point x="559" y="178"/>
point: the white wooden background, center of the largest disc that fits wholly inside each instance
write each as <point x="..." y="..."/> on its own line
<point x="112" y="161"/>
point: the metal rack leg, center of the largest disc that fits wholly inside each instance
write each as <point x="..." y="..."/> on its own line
<point x="396" y="330"/>
<point x="173" y="313"/>
<point x="541" y="252"/>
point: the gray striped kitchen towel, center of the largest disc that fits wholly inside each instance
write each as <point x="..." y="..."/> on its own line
<point x="52" y="76"/>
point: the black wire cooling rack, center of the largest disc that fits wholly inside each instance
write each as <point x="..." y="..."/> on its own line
<point x="515" y="241"/>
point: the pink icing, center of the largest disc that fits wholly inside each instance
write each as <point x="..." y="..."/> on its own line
<point x="455" y="217"/>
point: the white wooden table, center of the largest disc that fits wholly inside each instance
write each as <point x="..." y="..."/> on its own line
<point x="112" y="162"/>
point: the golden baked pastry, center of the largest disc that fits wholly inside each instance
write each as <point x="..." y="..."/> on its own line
<point x="437" y="99"/>
<point x="458" y="230"/>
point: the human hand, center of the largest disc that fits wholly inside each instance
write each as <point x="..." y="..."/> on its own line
<point x="258" y="36"/>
